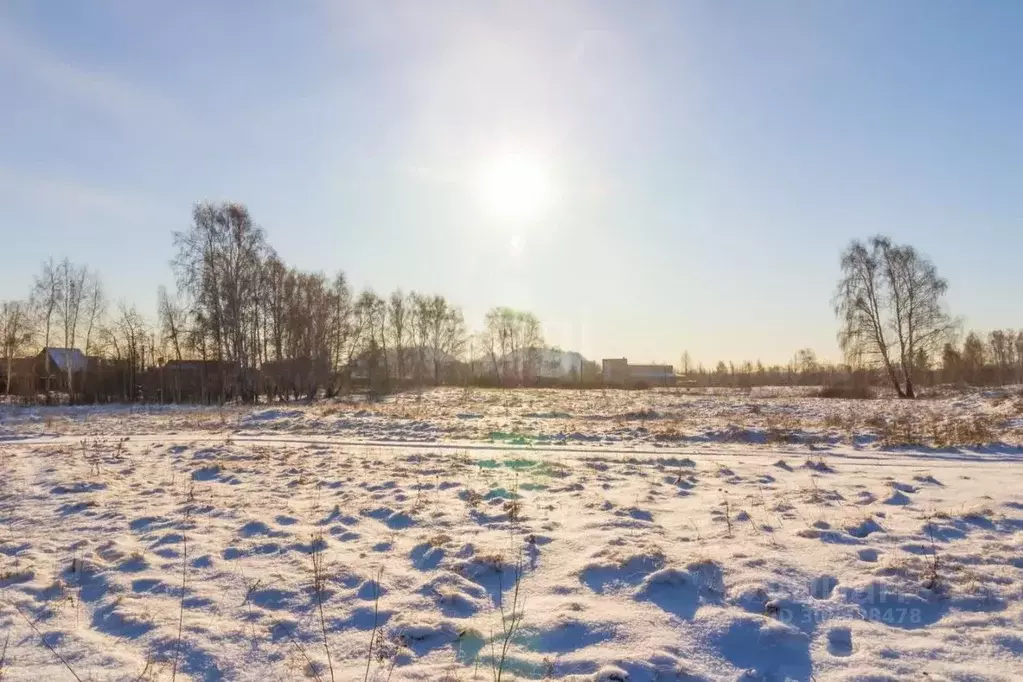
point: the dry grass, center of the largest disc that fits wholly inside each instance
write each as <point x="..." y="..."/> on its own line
<point x="974" y="431"/>
<point x="934" y="430"/>
<point x="902" y="430"/>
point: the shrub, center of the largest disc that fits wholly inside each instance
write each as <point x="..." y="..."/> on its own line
<point x="847" y="392"/>
<point x="975" y="431"/>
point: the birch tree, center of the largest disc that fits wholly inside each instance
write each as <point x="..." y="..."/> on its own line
<point x="1003" y="354"/>
<point x="47" y="294"/>
<point x="398" y="323"/>
<point x="513" y="341"/>
<point x="973" y="357"/>
<point x="218" y="265"/>
<point x="15" y="334"/>
<point x="447" y="334"/>
<point x="890" y="303"/>
<point x="72" y="284"/>
<point x="95" y="307"/>
<point x="173" y="319"/>
<point x="345" y="331"/>
<point x="126" y="336"/>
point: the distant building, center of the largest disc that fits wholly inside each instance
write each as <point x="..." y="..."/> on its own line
<point x="55" y="364"/>
<point x="615" y="371"/>
<point x="22" y="379"/>
<point x="618" y="372"/>
<point x="52" y="369"/>
<point x="543" y="363"/>
<point x="64" y="360"/>
<point x="539" y="365"/>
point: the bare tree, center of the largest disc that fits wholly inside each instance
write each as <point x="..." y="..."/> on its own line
<point x="446" y="332"/>
<point x="371" y="319"/>
<point x="922" y="365"/>
<point x="380" y="333"/>
<point x="686" y="363"/>
<point x="95" y="307"/>
<point x="345" y="331"/>
<point x="47" y="294"/>
<point x="398" y="330"/>
<point x="420" y="316"/>
<point x="127" y="337"/>
<point x="219" y="266"/>
<point x="996" y="362"/>
<point x="951" y="363"/>
<point x="890" y="303"/>
<point x="973" y="357"/>
<point x="806" y="361"/>
<point x="173" y="319"/>
<point x="1018" y="343"/>
<point x="1003" y="354"/>
<point x="513" y="340"/>
<point x="308" y="335"/>
<point x="455" y="337"/>
<point x="15" y="334"/>
<point x="73" y="285"/>
<point x="496" y="339"/>
<point x="449" y="336"/>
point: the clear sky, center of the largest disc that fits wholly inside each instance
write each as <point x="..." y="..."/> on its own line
<point x="703" y="163"/>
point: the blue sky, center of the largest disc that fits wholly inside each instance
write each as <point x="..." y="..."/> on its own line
<point x="708" y="160"/>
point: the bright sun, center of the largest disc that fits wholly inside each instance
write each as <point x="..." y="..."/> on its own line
<point x="515" y="187"/>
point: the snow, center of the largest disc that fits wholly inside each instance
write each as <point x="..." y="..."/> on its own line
<point x="770" y="538"/>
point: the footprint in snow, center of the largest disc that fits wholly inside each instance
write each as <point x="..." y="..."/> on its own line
<point x="426" y="557"/>
<point x="822" y="586"/>
<point x="343" y="534"/>
<point x="898" y="498"/>
<point x="840" y="641"/>
<point x="258" y="528"/>
<point x="867" y="554"/>
<point x="636" y="513"/>
<point x="864" y="528"/>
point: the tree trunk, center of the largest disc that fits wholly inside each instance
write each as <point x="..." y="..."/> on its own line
<point x="895" y="380"/>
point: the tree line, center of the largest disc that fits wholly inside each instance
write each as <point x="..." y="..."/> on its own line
<point x="248" y="325"/>
<point x="894" y="328"/>
<point x="255" y="326"/>
<point x="992" y="359"/>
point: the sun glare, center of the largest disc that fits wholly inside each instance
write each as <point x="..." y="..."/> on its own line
<point x="515" y="187"/>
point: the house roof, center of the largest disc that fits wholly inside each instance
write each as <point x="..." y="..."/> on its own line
<point x="67" y="358"/>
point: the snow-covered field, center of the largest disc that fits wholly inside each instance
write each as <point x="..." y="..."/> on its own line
<point x="460" y="535"/>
